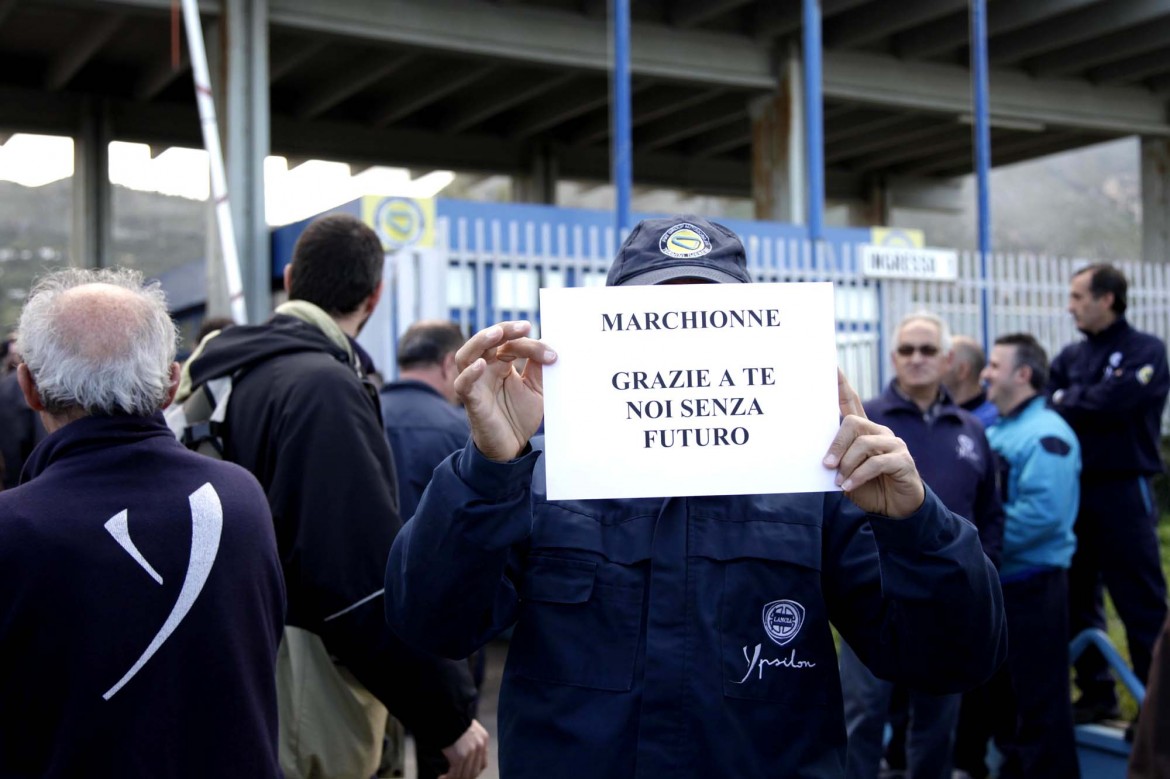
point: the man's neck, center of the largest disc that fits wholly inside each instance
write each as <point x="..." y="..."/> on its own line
<point x="924" y="397"/>
<point x="1011" y="405"/>
<point x="966" y="393"/>
<point x="351" y="324"/>
<point x="430" y="375"/>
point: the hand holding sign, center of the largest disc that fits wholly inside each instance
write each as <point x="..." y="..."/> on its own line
<point x="874" y="466"/>
<point x="503" y="405"/>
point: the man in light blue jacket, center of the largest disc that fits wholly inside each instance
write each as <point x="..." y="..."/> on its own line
<point x="1040" y="465"/>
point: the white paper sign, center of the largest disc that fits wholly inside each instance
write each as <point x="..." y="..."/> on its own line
<point x="700" y="389"/>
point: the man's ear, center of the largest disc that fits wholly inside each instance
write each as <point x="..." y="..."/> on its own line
<point x="176" y="377"/>
<point x="372" y="300"/>
<point x="288" y="278"/>
<point x="448" y="365"/>
<point x="28" y="388"/>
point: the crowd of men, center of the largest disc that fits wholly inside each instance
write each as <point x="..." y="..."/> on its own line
<point x="264" y="610"/>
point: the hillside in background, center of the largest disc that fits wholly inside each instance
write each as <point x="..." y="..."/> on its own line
<point x="151" y="232"/>
<point x="1083" y="204"/>
<point x="1079" y="204"/>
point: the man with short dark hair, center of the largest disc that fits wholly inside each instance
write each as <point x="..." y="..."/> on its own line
<point x="682" y="637"/>
<point x="1026" y="705"/>
<point x="1111" y="389"/>
<point x="141" y="600"/>
<point x="306" y="423"/>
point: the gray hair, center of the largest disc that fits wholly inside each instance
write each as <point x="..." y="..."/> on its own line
<point x="944" y="332"/>
<point x="100" y="341"/>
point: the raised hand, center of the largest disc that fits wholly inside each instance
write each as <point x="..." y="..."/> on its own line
<point x="874" y="467"/>
<point x="504" y="406"/>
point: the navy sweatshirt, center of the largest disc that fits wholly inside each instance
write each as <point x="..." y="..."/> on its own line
<point x="141" y="605"/>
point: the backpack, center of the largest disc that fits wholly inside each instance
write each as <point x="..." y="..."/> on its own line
<point x="198" y="421"/>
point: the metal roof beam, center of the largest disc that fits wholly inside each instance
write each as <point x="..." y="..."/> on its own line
<point x="1016" y="97"/>
<point x="1102" y="50"/>
<point x="426" y="91"/>
<point x="950" y="33"/>
<point x="690" y="13"/>
<point x="159" y="75"/>
<point x="366" y="71"/>
<point x="658" y="104"/>
<point x="774" y="19"/>
<point x="665" y="131"/>
<point x="1132" y="69"/>
<point x="917" y="130"/>
<point x="1092" y="22"/>
<point x="486" y="104"/>
<point x="720" y="141"/>
<point x="77" y="53"/>
<point x="536" y="36"/>
<point x="886" y="17"/>
<point x="281" y="65"/>
<point x="560" y="108"/>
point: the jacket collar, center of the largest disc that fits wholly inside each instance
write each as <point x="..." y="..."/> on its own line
<point x="92" y="432"/>
<point x="1111" y="333"/>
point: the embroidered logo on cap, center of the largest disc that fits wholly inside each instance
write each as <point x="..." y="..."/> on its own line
<point x="782" y="620"/>
<point x="684" y="241"/>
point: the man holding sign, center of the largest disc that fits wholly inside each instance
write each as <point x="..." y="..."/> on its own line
<point x="683" y="636"/>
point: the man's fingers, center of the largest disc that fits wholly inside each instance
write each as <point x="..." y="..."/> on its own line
<point x="479" y="344"/>
<point x="890" y="463"/>
<point x="526" y="349"/>
<point x="864" y="447"/>
<point x="847" y="398"/>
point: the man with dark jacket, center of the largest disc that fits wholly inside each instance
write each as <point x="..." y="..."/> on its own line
<point x="683" y="636"/>
<point x="1111" y="388"/>
<point x="955" y="460"/>
<point x="20" y="427"/>
<point x="141" y="601"/>
<point x="302" y="419"/>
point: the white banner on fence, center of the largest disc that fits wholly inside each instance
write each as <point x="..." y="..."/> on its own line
<point x="905" y="262"/>
<point x="710" y="389"/>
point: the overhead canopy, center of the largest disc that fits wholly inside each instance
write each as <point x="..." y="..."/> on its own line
<point x="488" y="85"/>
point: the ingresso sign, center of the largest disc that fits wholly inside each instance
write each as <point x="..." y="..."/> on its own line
<point x="902" y="262"/>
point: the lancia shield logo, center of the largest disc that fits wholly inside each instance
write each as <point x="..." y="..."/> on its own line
<point x="684" y="241"/>
<point x="783" y="620"/>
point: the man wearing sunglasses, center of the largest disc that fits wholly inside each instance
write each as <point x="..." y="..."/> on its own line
<point x="951" y="451"/>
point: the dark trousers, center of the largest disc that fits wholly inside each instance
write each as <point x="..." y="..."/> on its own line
<point x="1117" y="548"/>
<point x="1026" y="705"/>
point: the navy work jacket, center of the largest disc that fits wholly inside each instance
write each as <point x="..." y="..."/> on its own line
<point x="1111" y="388"/>
<point x="685" y="637"/>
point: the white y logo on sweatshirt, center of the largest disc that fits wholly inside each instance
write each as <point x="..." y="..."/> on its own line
<point x="206" y="528"/>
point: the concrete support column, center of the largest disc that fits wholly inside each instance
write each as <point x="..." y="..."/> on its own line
<point x="92" y="194"/>
<point x="1155" y="156"/>
<point x="540" y="184"/>
<point x="779" y="170"/>
<point x="244" y="128"/>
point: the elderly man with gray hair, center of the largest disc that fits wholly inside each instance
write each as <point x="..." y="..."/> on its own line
<point x="141" y="599"/>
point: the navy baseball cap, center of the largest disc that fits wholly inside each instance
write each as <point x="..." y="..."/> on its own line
<point x="681" y="247"/>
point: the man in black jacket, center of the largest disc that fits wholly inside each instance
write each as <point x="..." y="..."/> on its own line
<point x="1111" y="389"/>
<point x="141" y="601"/>
<point x="306" y="423"/>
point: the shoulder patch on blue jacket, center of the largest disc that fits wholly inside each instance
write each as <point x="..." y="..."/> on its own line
<point x="1054" y="445"/>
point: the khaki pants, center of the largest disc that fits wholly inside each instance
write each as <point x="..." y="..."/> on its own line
<point x="330" y="725"/>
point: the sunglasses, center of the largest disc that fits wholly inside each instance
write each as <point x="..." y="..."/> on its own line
<point x="927" y="350"/>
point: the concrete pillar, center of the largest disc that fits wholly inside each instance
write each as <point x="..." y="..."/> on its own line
<point x="92" y="194"/>
<point x="244" y="128"/>
<point x="1155" y="156"/>
<point x="540" y="183"/>
<point x="779" y="168"/>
